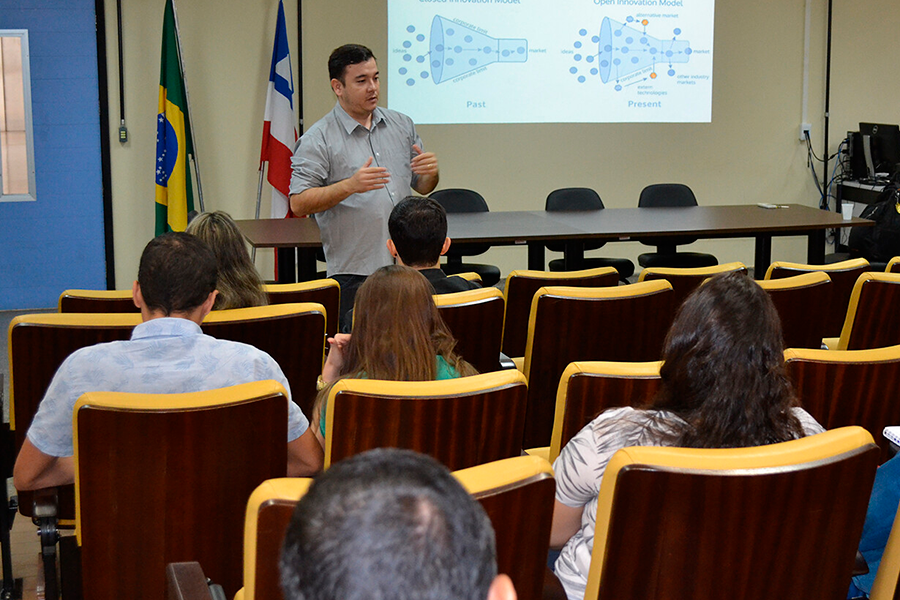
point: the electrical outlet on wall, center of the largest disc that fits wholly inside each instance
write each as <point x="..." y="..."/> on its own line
<point x="804" y="131"/>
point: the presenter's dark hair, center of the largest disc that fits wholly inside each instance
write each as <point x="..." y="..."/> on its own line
<point x="418" y="228"/>
<point x="388" y="524"/>
<point x="343" y="57"/>
<point x="177" y="273"/>
<point x="723" y="370"/>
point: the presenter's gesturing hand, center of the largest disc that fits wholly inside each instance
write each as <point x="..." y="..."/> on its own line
<point x="425" y="165"/>
<point x="368" y="178"/>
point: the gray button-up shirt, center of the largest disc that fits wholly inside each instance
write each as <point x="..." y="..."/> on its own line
<point x="354" y="231"/>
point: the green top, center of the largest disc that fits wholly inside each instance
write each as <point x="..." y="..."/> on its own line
<point x="444" y="371"/>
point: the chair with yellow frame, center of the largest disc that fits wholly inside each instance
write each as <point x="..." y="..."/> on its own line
<point x="519" y="292"/>
<point x="175" y="488"/>
<point x="326" y="292"/>
<point x="624" y="323"/>
<point x="685" y="280"/>
<point x="802" y="302"/>
<point x="872" y="320"/>
<point x="849" y="387"/>
<point x="843" y="276"/>
<point x="517" y="494"/>
<point x="475" y="318"/>
<point x="588" y="388"/>
<point x="754" y="523"/>
<point x="460" y="422"/>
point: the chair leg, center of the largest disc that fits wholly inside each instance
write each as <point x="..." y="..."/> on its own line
<point x="46" y="506"/>
<point x="12" y="588"/>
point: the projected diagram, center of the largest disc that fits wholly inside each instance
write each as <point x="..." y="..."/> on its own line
<point x="454" y="49"/>
<point x="623" y="50"/>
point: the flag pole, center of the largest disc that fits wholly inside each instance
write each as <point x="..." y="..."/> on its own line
<point x="259" y="188"/>
<point x="187" y="100"/>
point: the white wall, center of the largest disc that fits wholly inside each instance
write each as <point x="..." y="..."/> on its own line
<point x="749" y="153"/>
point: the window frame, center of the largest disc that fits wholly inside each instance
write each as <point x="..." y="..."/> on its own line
<point x="31" y="195"/>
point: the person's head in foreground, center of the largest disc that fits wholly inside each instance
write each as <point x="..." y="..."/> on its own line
<point x="177" y="276"/>
<point x="239" y="283"/>
<point x="723" y="370"/>
<point x="398" y="331"/>
<point x="418" y="230"/>
<point x="390" y="524"/>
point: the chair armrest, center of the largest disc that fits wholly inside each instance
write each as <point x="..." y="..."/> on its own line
<point x="519" y="361"/>
<point x="542" y="452"/>
<point x="186" y="581"/>
<point x="506" y="362"/>
<point x="45" y="504"/>
<point x="830" y="343"/>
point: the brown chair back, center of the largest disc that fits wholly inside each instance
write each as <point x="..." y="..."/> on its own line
<point x="586" y="389"/>
<point x="475" y="318"/>
<point x="326" y="292"/>
<point x="873" y="320"/>
<point x="843" y="277"/>
<point x="624" y="323"/>
<point x="852" y="387"/>
<point x="517" y="494"/>
<point x="38" y="344"/>
<point x="292" y="334"/>
<point x="752" y="523"/>
<point x="802" y="302"/>
<point x="460" y="422"/>
<point x="521" y="287"/>
<point x="176" y="487"/>
<point x="97" y="301"/>
<point x="686" y="280"/>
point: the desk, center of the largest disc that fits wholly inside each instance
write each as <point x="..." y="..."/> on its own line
<point x="854" y="191"/>
<point x="533" y="228"/>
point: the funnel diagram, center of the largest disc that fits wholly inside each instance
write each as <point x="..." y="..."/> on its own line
<point x="455" y="49"/>
<point x="625" y="50"/>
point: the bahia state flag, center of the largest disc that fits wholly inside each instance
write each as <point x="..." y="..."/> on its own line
<point x="279" y="133"/>
<point x="174" y="193"/>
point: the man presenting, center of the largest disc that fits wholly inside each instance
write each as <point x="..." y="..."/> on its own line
<point x="353" y="166"/>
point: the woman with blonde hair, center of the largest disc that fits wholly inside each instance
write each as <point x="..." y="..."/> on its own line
<point x="398" y="335"/>
<point x="239" y="283"/>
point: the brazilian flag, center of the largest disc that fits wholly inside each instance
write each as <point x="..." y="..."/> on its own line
<point x="174" y="193"/>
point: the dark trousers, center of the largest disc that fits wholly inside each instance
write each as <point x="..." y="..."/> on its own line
<point x="349" y="285"/>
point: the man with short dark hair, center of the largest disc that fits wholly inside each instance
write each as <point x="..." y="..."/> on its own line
<point x="390" y="524"/>
<point x="167" y="353"/>
<point x="353" y="166"/>
<point x="418" y="230"/>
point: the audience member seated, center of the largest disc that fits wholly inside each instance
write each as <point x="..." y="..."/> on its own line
<point x="418" y="238"/>
<point x="879" y="521"/>
<point x="398" y="335"/>
<point x="167" y="353"/>
<point x="723" y="385"/>
<point x="394" y="524"/>
<point x="239" y="284"/>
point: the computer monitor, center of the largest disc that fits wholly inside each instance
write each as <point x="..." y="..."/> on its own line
<point x="881" y="146"/>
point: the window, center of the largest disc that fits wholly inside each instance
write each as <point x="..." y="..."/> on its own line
<point x="16" y="142"/>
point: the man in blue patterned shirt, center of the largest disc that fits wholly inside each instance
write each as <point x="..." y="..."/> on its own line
<point x="168" y="353"/>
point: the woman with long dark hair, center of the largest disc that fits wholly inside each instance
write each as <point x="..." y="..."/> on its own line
<point x="239" y="283"/>
<point x="398" y="335"/>
<point x="723" y="386"/>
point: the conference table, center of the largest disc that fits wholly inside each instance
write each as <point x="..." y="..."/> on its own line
<point x="535" y="228"/>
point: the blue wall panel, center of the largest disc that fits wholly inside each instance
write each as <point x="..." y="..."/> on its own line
<point x="57" y="242"/>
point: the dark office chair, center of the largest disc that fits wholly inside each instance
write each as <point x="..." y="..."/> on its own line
<point x="458" y="200"/>
<point x="663" y="195"/>
<point x="574" y="199"/>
